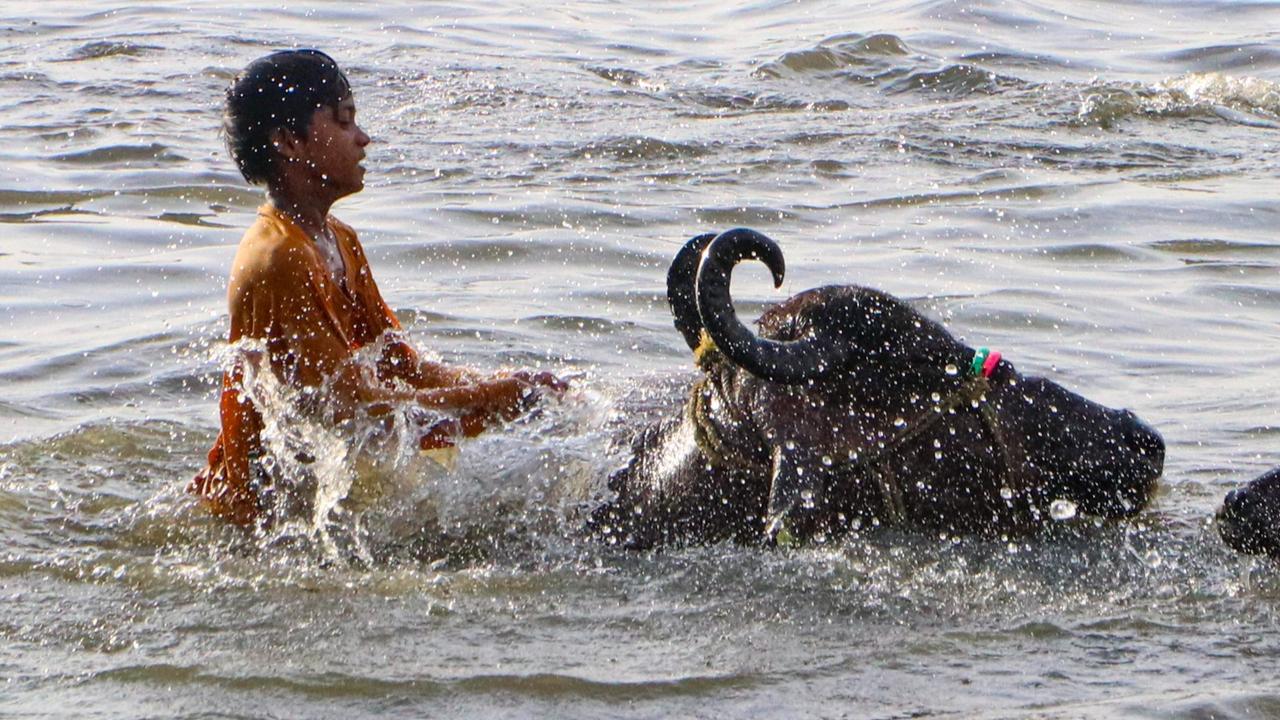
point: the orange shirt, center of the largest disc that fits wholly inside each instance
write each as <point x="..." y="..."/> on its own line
<point x="282" y="293"/>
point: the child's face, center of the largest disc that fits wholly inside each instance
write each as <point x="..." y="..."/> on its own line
<point x="334" y="147"/>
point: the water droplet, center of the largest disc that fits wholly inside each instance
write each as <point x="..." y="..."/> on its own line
<point x="1006" y="493"/>
<point x="951" y="369"/>
<point x="806" y="499"/>
<point x="1061" y="509"/>
<point x="936" y="397"/>
<point x="790" y="444"/>
<point x="826" y="460"/>
<point x="899" y="422"/>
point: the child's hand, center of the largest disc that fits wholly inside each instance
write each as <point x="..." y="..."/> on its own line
<point x="542" y="379"/>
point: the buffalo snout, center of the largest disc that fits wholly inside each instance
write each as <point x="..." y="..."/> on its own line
<point x="1144" y="441"/>
<point x="1249" y="519"/>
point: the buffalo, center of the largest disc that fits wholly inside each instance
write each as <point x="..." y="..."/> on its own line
<point x="851" y="410"/>
<point x="1249" y="519"/>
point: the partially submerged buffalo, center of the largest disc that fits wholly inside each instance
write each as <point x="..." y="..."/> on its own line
<point x="853" y="409"/>
<point x="1249" y="519"/>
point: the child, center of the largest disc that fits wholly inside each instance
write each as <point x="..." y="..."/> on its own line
<point x="301" y="285"/>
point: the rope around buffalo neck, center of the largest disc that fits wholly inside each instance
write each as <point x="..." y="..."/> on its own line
<point x="702" y="395"/>
<point x="972" y="391"/>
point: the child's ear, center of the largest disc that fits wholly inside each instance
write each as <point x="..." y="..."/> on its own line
<point x="285" y="143"/>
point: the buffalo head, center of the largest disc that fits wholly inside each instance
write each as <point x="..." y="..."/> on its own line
<point x="850" y="409"/>
<point x="1249" y="519"/>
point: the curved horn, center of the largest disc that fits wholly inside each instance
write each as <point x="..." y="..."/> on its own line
<point x="787" y="363"/>
<point x="680" y="280"/>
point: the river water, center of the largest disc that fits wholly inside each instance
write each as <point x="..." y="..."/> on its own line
<point x="1088" y="186"/>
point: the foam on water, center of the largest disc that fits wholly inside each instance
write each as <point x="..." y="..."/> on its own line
<point x="1245" y="100"/>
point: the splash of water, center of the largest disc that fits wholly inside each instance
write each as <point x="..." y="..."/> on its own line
<point x="1243" y="100"/>
<point x="1246" y="94"/>
<point x="325" y="473"/>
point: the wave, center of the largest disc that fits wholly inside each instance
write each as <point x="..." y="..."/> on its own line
<point x="639" y="148"/>
<point x="108" y="48"/>
<point x="325" y="687"/>
<point x="627" y="78"/>
<point x="839" y="53"/>
<point x="1213" y="247"/>
<point x="1250" y="56"/>
<point x="721" y="102"/>
<point x="151" y="152"/>
<point x="1242" y="100"/>
<point x="1247" y="94"/>
<point x="888" y="63"/>
<point x="953" y="80"/>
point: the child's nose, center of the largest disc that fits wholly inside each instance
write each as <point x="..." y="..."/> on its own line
<point x="362" y="138"/>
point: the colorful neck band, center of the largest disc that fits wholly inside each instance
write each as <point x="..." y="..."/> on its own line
<point x="984" y="362"/>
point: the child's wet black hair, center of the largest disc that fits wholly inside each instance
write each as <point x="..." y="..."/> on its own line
<point x="280" y="90"/>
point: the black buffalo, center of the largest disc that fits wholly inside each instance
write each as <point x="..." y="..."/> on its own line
<point x="850" y="410"/>
<point x="1249" y="520"/>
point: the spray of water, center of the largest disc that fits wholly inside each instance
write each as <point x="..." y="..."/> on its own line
<point x="324" y="474"/>
<point x="350" y="488"/>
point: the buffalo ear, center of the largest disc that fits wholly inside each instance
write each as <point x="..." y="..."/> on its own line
<point x="681" y="295"/>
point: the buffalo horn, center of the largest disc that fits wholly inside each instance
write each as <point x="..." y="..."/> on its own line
<point x="787" y="363"/>
<point x="680" y="279"/>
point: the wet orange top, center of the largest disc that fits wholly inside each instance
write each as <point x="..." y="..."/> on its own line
<point x="282" y="293"/>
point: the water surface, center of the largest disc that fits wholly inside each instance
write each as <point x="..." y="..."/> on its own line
<point x="1088" y="186"/>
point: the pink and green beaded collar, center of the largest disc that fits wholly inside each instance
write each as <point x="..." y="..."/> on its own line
<point x="984" y="362"/>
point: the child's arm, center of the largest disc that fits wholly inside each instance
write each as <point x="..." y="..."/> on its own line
<point x="476" y="397"/>
<point x="400" y="361"/>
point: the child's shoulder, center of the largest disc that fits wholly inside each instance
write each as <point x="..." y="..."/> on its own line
<point x="272" y="245"/>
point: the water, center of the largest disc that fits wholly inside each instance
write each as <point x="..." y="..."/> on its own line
<point x="1088" y="187"/>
